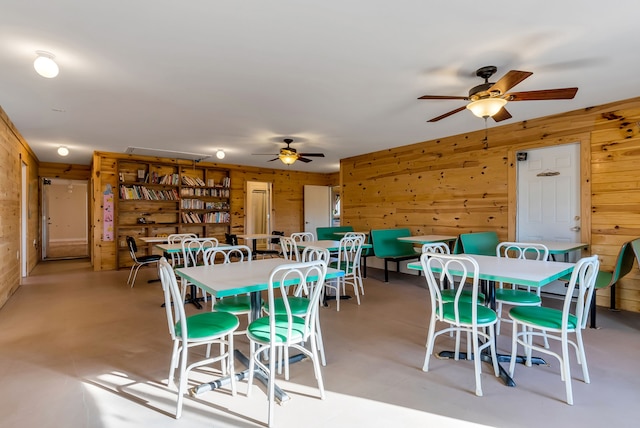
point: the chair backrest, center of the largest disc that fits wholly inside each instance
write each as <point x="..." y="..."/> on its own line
<point x="276" y="233"/>
<point x="193" y="248"/>
<point x="635" y="244"/>
<point x="584" y="278"/>
<point x="436" y="247"/>
<point x="173" y="303"/>
<point x="230" y="239"/>
<point x="176" y="238"/>
<point x="310" y="273"/>
<point x="133" y="248"/>
<point x="624" y="262"/>
<point x="349" y="253"/>
<point x="455" y="271"/>
<point x="311" y="253"/>
<point x="289" y="248"/>
<point x="481" y="243"/>
<point x="522" y="250"/>
<point x="303" y="237"/>
<point x="238" y="253"/>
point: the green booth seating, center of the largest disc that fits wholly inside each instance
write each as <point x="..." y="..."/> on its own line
<point x="387" y="246"/>
<point x="331" y="233"/>
<point x="480" y="243"/>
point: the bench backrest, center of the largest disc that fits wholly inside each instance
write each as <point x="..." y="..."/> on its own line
<point x="329" y="233"/>
<point x="386" y="244"/>
<point x="481" y="243"/>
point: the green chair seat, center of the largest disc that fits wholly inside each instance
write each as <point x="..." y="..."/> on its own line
<point x="259" y="329"/>
<point x="485" y="315"/>
<point x="208" y="324"/>
<point x="517" y="297"/>
<point x="542" y="316"/>
<point x="298" y="306"/>
<point x="233" y="304"/>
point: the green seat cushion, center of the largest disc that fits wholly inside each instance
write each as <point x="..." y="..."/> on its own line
<point x="603" y="279"/>
<point x="258" y="330"/>
<point x="541" y="316"/>
<point x="233" y="304"/>
<point x="449" y="295"/>
<point x="208" y="324"/>
<point x="517" y="297"/>
<point x="485" y="315"/>
<point x="298" y="306"/>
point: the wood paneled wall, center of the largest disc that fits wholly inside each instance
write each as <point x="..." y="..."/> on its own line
<point x="287" y="207"/>
<point x="465" y="183"/>
<point x="14" y="151"/>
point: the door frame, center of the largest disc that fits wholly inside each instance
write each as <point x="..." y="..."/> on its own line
<point x="585" y="182"/>
<point x="249" y="187"/>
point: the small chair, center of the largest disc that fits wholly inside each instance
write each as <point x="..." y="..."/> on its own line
<point x="364" y="237"/>
<point x="138" y="261"/>
<point x="176" y="238"/>
<point x="463" y="315"/>
<point x="348" y="260"/>
<point x="192" y="251"/>
<point x="289" y="248"/>
<point x="436" y="247"/>
<point x="557" y="324"/>
<point x="187" y="332"/>
<point x="513" y="296"/>
<point x="303" y="237"/>
<point x="480" y="243"/>
<point x="285" y="330"/>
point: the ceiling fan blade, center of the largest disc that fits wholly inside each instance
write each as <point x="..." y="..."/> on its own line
<point x="317" y="155"/>
<point x="545" y="94"/>
<point x="435" y="119"/>
<point x="442" y="97"/>
<point x="501" y="115"/>
<point x="305" y="160"/>
<point x="271" y="160"/>
<point x="509" y="80"/>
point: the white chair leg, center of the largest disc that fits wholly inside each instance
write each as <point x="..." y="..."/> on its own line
<point x="567" y="371"/>
<point x="477" y="363"/>
<point x="582" y="357"/>
<point x="182" y="382"/>
<point x="514" y="348"/>
<point x="175" y="356"/>
<point x="429" y="345"/>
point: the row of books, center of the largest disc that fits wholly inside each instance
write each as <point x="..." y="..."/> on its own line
<point x="197" y="204"/>
<point x="198" y="182"/>
<point x="215" y="217"/>
<point x="217" y="192"/>
<point x="141" y="192"/>
<point x="192" y="181"/>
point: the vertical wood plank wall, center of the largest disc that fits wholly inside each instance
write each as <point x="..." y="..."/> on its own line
<point x="287" y="211"/>
<point x="13" y="151"/>
<point x="465" y="184"/>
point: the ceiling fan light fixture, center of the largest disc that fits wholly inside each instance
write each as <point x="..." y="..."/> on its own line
<point x="486" y="107"/>
<point x="63" y="151"/>
<point x="45" y="66"/>
<point x="288" y="158"/>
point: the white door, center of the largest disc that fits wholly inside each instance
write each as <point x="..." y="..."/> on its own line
<point x="548" y="192"/>
<point x="317" y="207"/>
<point x="258" y="211"/>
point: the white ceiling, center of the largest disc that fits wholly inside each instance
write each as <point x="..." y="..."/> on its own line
<point x="338" y="76"/>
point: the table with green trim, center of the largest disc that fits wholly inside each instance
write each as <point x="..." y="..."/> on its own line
<point x="523" y="272"/>
<point x="230" y="279"/>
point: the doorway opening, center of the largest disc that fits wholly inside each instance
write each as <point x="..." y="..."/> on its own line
<point x="258" y="209"/>
<point x="65" y="219"/>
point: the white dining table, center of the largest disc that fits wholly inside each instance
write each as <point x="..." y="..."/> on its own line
<point x="557" y="248"/>
<point x="230" y="279"/>
<point x="524" y="272"/>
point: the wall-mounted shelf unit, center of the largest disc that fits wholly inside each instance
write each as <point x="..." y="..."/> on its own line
<point x="158" y="199"/>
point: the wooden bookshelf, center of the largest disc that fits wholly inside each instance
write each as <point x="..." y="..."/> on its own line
<point x="158" y="199"/>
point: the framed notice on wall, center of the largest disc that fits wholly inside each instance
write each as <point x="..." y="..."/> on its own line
<point x="107" y="214"/>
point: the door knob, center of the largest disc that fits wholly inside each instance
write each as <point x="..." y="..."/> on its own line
<point x="575" y="229"/>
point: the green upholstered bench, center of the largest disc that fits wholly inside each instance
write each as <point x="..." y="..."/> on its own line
<point x="387" y="246"/>
<point x="329" y="233"/>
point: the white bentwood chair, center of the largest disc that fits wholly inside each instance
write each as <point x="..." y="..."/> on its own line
<point x="204" y="328"/>
<point x="463" y="314"/>
<point x="558" y="324"/>
<point x="284" y="330"/>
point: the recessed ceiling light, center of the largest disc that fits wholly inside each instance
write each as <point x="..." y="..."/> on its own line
<point x="63" y="151"/>
<point x="45" y="65"/>
<point x="220" y="154"/>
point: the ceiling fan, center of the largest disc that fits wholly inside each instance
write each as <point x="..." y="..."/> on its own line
<point x="488" y="99"/>
<point x="289" y="155"/>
